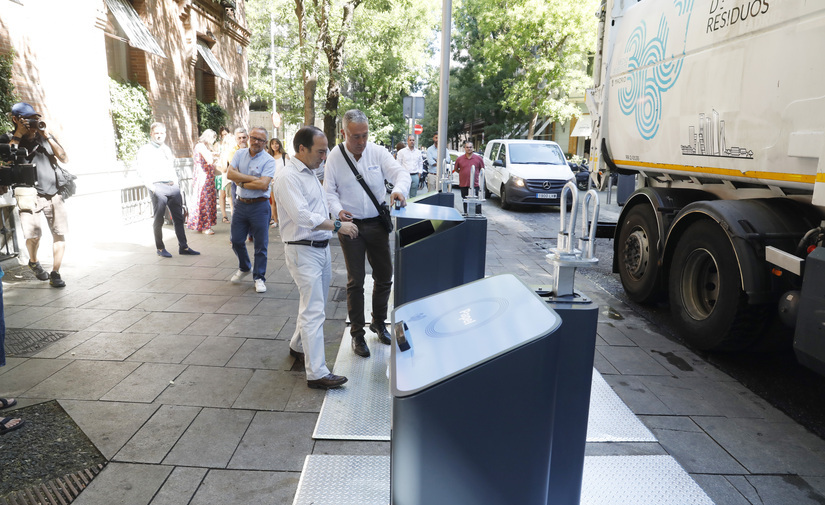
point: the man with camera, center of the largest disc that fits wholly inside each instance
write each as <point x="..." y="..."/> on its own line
<point x="44" y="152"/>
<point x="350" y="202"/>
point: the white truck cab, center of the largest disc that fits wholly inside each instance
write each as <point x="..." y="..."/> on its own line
<point x="525" y="172"/>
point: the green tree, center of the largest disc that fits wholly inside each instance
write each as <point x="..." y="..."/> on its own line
<point x="131" y="115"/>
<point x="7" y="95"/>
<point x="211" y="116"/>
<point x="536" y="48"/>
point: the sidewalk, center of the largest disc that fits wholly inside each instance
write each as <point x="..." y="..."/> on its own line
<point x="184" y="382"/>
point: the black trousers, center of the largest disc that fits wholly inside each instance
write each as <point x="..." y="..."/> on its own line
<point x="465" y="191"/>
<point x="372" y="244"/>
<point x="165" y="195"/>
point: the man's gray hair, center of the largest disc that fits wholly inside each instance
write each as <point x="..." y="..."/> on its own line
<point x="240" y="130"/>
<point x="353" y="116"/>
<point x="155" y="125"/>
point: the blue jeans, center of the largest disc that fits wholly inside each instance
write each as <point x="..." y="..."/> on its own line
<point x="2" y="327"/>
<point x="413" y="185"/>
<point x="251" y="219"/>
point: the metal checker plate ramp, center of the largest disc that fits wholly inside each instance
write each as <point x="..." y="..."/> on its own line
<point x="361" y="409"/>
<point x="638" y="480"/>
<point x="607" y="480"/>
<point x="610" y="420"/>
<point x="344" y="480"/>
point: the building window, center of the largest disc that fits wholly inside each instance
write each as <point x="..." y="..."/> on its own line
<point x="204" y="81"/>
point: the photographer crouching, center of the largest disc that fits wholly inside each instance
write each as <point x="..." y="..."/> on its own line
<point x="43" y="151"/>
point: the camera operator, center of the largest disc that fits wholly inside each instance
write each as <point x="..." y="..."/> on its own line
<point x="44" y="151"/>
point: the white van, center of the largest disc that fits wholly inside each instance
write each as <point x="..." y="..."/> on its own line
<point x="525" y="172"/>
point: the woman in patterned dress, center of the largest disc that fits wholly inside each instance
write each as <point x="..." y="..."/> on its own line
<point x="204" y="212"/>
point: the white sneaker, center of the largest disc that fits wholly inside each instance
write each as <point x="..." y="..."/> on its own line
<point x="260" y="287"/>
<point x="240" y="275"/>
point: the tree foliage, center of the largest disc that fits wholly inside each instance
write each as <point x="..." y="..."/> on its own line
<point x="211" y="116"/>
<point x="7" y="95"/>
<point x="529" y="56"/>
<point x="131" y="115"/>
<point x="366" y="54"/>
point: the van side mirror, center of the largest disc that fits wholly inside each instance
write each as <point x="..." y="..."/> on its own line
<point x="498" y="163"/>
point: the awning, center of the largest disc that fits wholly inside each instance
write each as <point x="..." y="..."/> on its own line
<point x="583" y="127"/>
<point x="212" y="62"/>
<point x="131" y="24"/>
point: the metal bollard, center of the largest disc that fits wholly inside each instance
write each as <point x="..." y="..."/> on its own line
<point x="565" y="258"/>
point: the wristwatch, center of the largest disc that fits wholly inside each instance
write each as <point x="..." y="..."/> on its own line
<point x="337" y="226"/>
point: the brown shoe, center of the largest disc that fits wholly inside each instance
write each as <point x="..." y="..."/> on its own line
<point x="299" y="356"/>
<point x="329" y="381"/>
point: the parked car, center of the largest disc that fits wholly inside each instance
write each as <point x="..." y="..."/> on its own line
<point x="529" y="172"/>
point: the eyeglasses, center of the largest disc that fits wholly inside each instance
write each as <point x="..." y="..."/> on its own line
<point x="256" y="139"/>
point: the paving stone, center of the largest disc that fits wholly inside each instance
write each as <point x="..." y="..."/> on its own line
<point x="29" y="315"/>
<point x="632" y="361"/>
<point x="214" y="351"/>
<point x="70" y="319"/>
<point x="624" y="449"/>
<point x="108" y="424"/>
<point x="636" y="395"/>
<point x="156" y="438"/>
<point x="683" y="363"/>
<point x="109" y="346"/>
<point x="77" y="297"/>
<point x="119" y="301"/>
<point x="351" y="448"/>
<point x="239" y="305"/>
<point x="602" y="365"/>
<point x="720" y="490"/>
<point x="211" y="439"/>
<point x="65" y="344"/>
<point x="275" y="441"/>
<point x="124" y="483"/>
<point x="221" y="487"/>
<point x="765" y="447"/>
<point x="209" y="324"/>
<point x="267" y="390"/>
<point x="613" y="335"/>
<point x="262" y="354"/>
<point x="697" y="452"/>
<point x="254" y="327"/>
<point x="276" y="307"/>
<point x="166" y="322"/>
<point x="180" y="486"/>
<point x="167" y="348"/>
<point x="158" y="301"/>
<point x="31" y="295"/>
<point x="304" y="399"/>
<point x="145" y="384"/>
<point x="162" y="286"/>
<point x="82" y="380"/>
<point x="197" y="287"/>
<point x="197" y="303"/>
<point x="29" y="373"/>
<point x="203" y="386"/>
<point x="671" y="423"/>
<point x="118" y="320"/>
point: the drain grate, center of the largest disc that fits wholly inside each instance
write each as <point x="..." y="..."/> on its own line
<point x="59" y="491"/>
<point x="20" y="342"/>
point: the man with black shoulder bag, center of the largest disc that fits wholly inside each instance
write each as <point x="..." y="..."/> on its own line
<point x="46" y="200"/>
<point x="354" y="183"/>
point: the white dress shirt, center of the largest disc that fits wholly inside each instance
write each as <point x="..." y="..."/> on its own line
<point x="302" y="203"/>
<point x="345" y="193"/>
<point x="156" y="163"/>
<point x="411" y="160"/>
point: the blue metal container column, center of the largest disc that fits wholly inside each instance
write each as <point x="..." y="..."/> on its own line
<point x="475" y="377"/>
<point x="439" y="250"/>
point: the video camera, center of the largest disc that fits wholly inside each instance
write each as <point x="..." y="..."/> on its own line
<point x="18" y="172"/>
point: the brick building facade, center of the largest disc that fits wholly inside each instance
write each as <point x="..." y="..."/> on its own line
<point x="66" y="50"/>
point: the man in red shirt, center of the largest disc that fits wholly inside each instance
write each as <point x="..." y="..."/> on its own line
<point x="463" y="165"/>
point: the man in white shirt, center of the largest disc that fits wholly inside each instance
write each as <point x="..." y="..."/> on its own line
<point x="349" y="201"/>
<point x="411" y="160"/>
<point x="432" y="160"/>
<point x="155" y="166"/>
<point x="306" y="228"/>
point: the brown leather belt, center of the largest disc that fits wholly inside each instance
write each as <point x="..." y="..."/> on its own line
<point x="253" y="200"/>
<point x="314" y="243"/>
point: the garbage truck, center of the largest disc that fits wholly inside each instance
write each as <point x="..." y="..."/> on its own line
<point x="717" y="108"/>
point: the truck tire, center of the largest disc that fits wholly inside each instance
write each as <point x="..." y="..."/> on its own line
<point x="639" y="256"/>
<point x="706" y="297"/>
<point x="505" y="203"/>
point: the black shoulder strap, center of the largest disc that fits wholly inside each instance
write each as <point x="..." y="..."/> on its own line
<point x="359" y="178"/>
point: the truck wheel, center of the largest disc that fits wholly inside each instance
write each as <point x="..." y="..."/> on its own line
<point x="706" y="296"/>
<point x="639" y="255"/>
<point x="505" y="203"/>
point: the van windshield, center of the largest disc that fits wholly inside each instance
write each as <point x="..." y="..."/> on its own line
<point x="539" y="153"/>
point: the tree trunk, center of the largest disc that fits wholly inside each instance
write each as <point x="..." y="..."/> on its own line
<point x="331" y="110"/>
<point x="310" y="85"/>
<point x="309" y="77"/>
<point x="532" y="129"/>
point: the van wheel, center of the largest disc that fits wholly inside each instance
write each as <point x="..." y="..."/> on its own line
<point x="706" y="296"/>
<point x="505" y="203"/>
<point x="638" y="254"/>
<point x="487" y="192"/>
